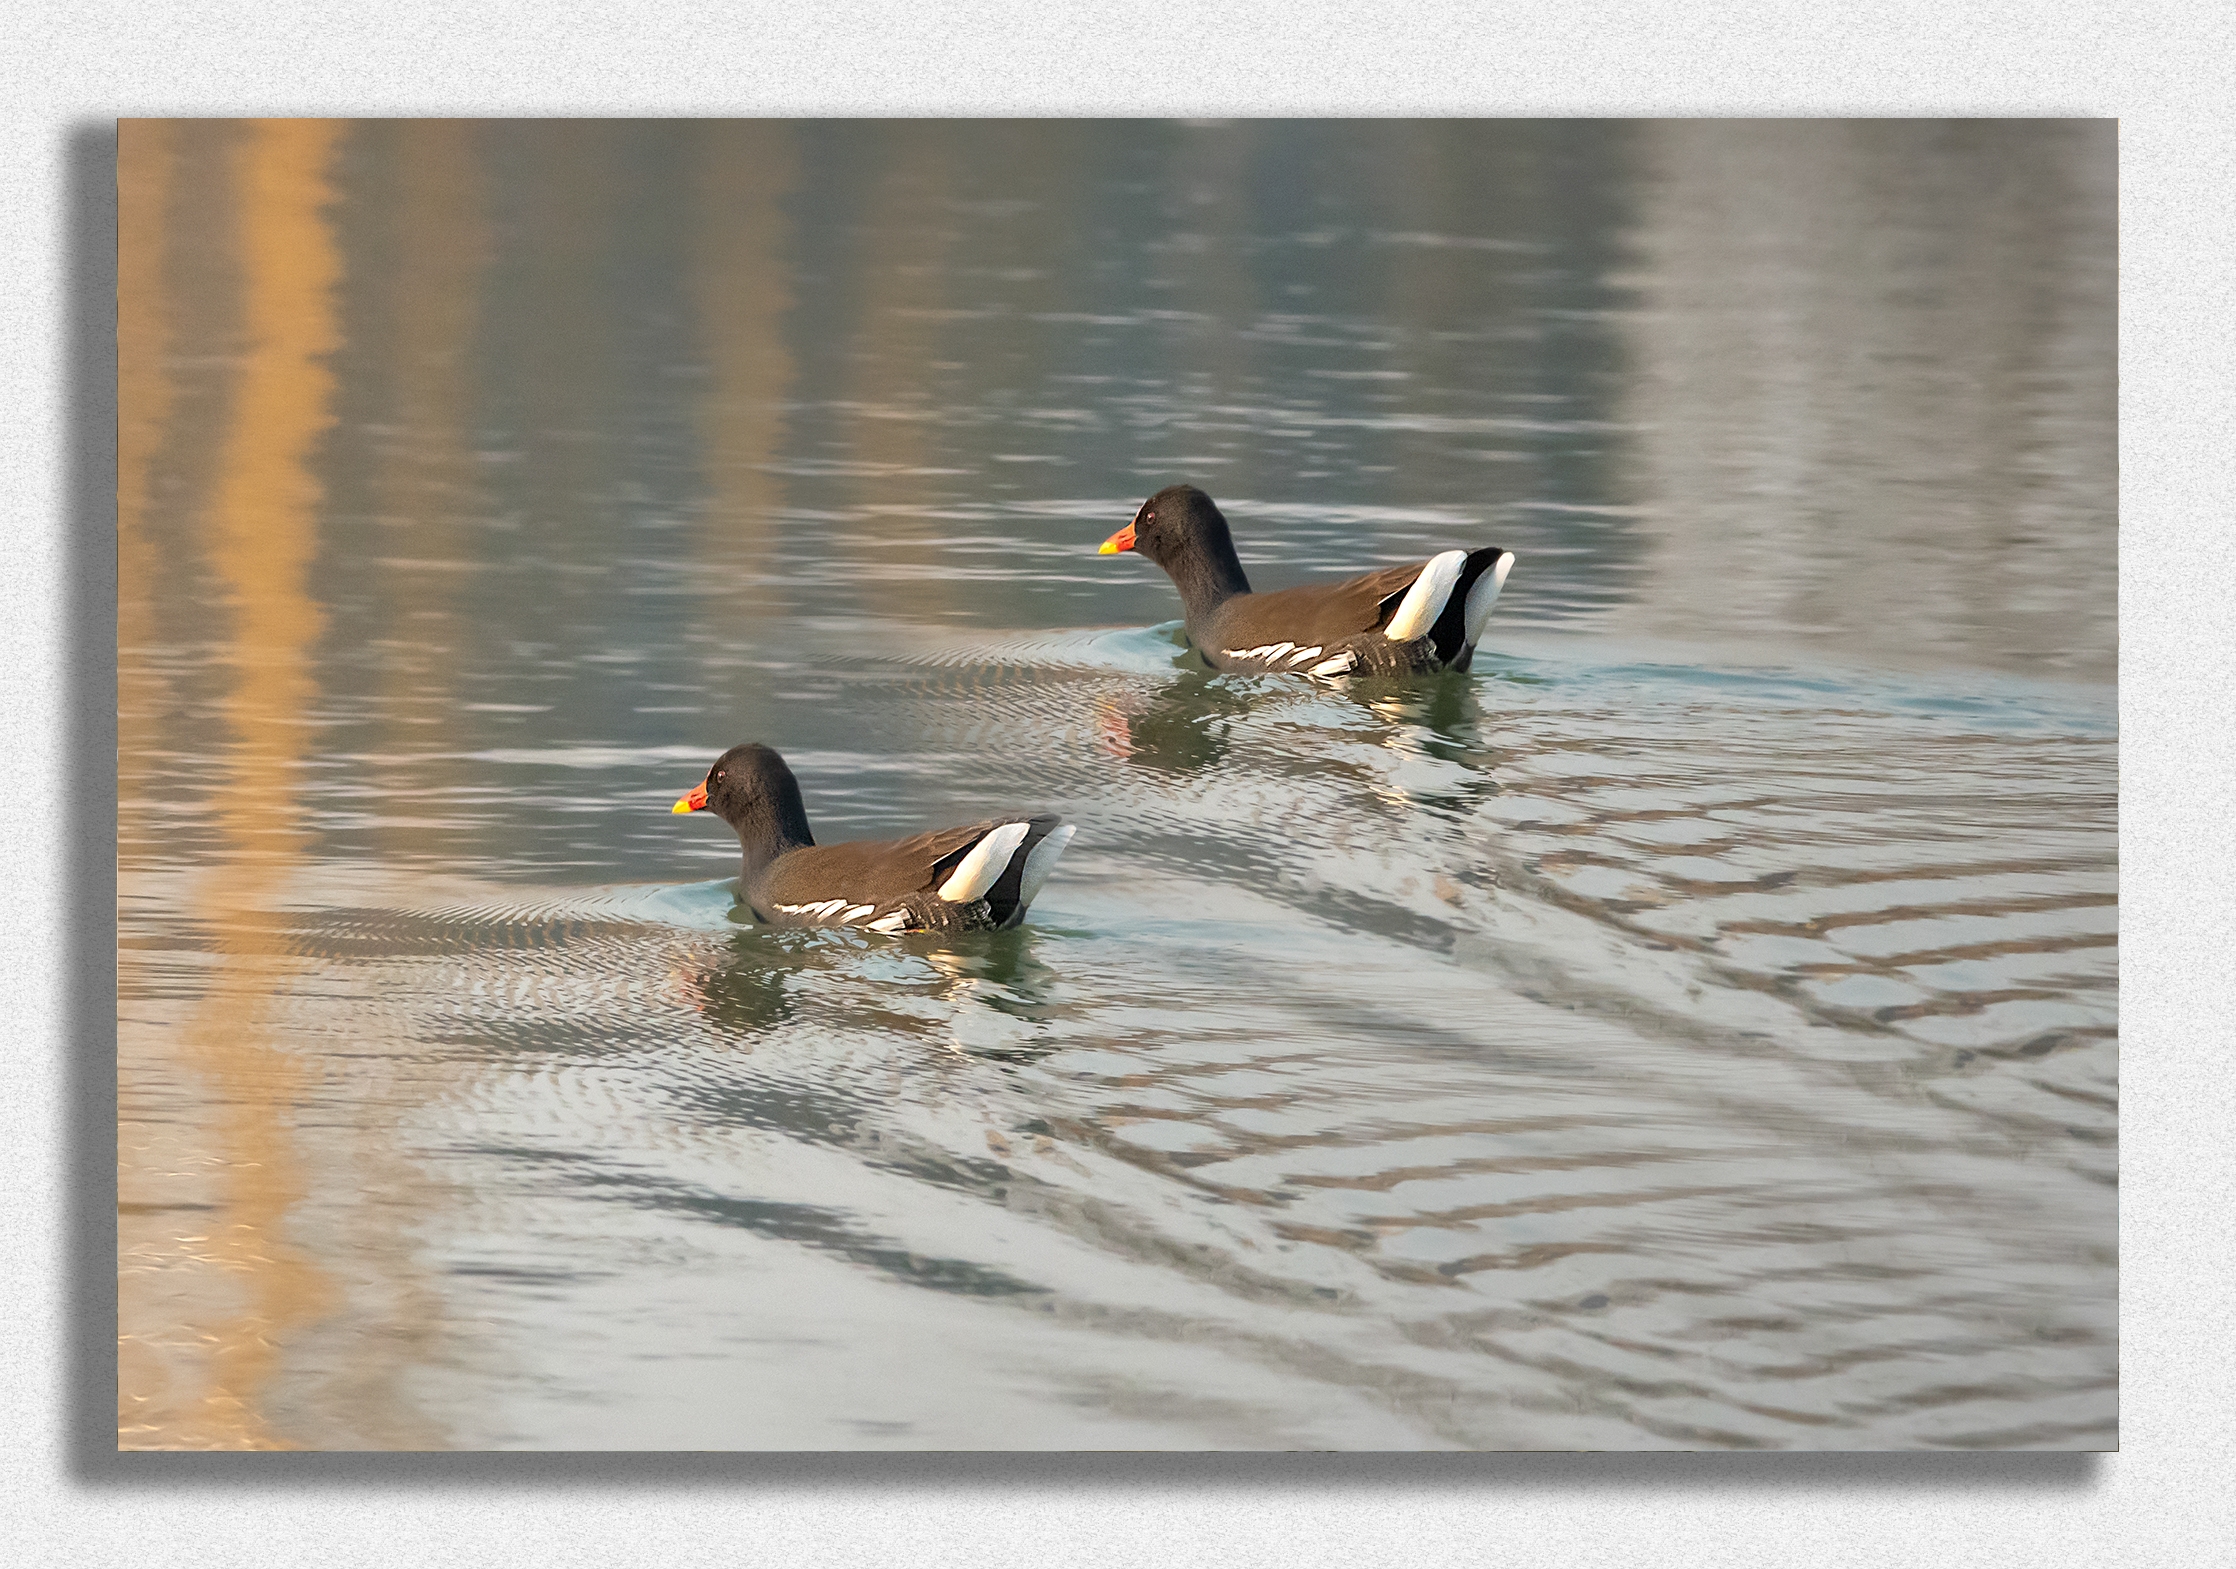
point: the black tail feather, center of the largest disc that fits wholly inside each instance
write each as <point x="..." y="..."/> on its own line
<point x="1009" y="888"/>
<point x="1449" y="635"/>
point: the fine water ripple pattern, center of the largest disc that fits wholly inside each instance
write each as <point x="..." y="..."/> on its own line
<point x="1570" y="1056"/>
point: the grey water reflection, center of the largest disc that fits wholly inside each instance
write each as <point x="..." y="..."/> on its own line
<point x="1695" y="1028"/>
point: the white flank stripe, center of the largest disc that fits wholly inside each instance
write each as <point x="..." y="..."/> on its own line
<point x="1041" y="862"/>
<point x="983" y="865"/>
<point x="1337" y="665"/>
<point x="857" y="912"/>
<point x="1424" y="601"/>
<point x="1302" y="654"/>
<point x="1483" y="594"/>
<point x="889" y="923"/>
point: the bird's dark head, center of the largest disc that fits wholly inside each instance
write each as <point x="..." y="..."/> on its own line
<point x="1177" y="523"/>
<point x="1181" y="530"/>
<point x="748" y="784"/>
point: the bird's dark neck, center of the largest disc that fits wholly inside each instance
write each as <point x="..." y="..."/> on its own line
<point x="768" y="828"/>
<point x="1207" y="577"/>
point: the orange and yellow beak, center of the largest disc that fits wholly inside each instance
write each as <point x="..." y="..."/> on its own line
<point x="1122" y="540"/>
<point x="696" y="801"/>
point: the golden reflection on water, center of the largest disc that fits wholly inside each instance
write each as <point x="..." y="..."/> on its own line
<point x="203" y="1308"/>
<point x="425" y="486"/>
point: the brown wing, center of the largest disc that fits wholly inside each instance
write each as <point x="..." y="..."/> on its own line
<point x="872" y="871"/>
<point x="1318" y="612"/>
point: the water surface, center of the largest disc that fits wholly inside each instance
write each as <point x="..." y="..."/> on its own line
<point x="1695" y="1028"/>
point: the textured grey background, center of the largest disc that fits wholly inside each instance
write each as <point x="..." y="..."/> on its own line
<point x="2162" y="69"/>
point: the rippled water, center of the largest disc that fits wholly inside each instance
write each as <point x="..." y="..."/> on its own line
<point x="1695" y="1028"/>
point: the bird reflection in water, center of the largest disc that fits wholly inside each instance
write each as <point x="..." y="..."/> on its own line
<point x="998" y="994"/>
<point x="1188" y="724"/>
<point x="1181" y="727"/>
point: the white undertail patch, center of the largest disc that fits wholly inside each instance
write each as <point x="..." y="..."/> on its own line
<point x="1274" y="653"/>
<point x="984" y="864"/>
<point x="1041" y="862"/>
<point x="1482" y="595"/>
<point x="1424" y="601"/>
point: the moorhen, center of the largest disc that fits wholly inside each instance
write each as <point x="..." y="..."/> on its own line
<point x="1405" y="620"/>
<point x="948" y="880"/>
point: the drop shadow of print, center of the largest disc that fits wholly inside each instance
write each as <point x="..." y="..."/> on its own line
<point x="88" y="839"/>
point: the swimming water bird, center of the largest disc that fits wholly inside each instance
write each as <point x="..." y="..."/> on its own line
<point x="974" y="878"/>
<point x="1407" y="620"/>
